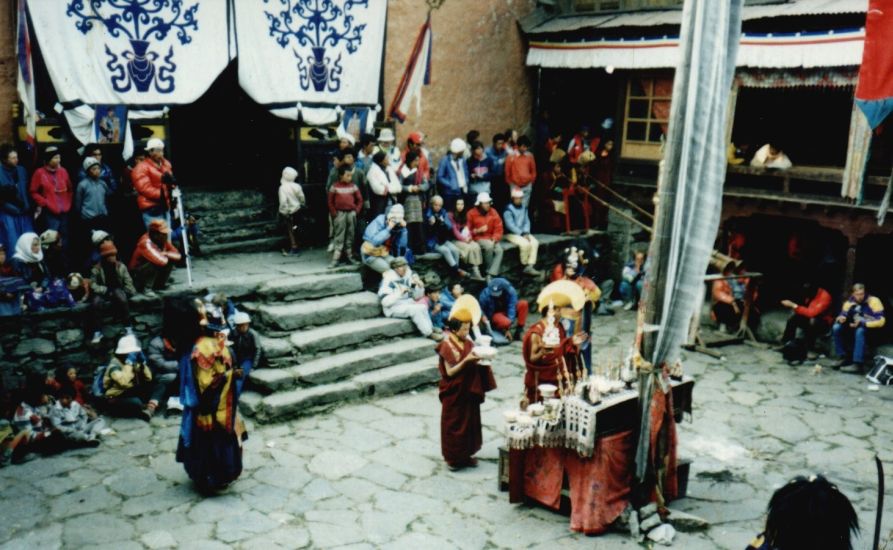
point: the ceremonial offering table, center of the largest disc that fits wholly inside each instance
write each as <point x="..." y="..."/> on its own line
<point x="593" y="448"/>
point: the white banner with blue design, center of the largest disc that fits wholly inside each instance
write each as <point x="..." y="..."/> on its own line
<point x="313" y="54"/>
<point x="132" y="52"/>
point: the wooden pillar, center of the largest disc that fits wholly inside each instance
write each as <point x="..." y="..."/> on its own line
<point x="849" y="277"/>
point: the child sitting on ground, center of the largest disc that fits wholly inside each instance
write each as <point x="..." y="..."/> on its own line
<point x="31" y="419"/>
<point x="71" y="421"/>
<point x="67" y="378"/>
<point x="435" y="307"/>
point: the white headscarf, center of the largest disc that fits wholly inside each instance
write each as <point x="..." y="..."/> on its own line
<point x="23" y="249"/>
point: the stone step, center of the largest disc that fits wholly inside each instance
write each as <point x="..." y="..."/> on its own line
<point x="201" y="200"/>
<point x="215" y="218"/>
<point x="387" y="381"/>
<point x="222" y="230"/>
<point x="334" y="309"/>
<point x="309" y="287"/>
<point x="254" y="245"/>
<point x="340" y="366"/>
<point x="240" y="234"/>
<point x="348" y="334"/>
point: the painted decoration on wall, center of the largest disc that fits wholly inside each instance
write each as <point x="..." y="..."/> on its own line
<point x="320" y="53"/>
<point x="110" y="123"/>
<point x="132" y="52"/>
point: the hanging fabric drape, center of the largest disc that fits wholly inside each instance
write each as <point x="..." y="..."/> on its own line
<point x="25" y="78"/>
<point x="690" y="191"/>
<point x="416" y="75"/>
<point x="321" y="55"/>
<point x="131" y="53"/>
<point x="858" y="150"/>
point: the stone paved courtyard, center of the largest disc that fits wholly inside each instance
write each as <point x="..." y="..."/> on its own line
<point x="369" y="475"/>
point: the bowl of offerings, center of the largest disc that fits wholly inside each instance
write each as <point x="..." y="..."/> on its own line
<point x="547" y="391"/>
<point x="510" y="416"/>
<point x="525" y="419"/>
<point x="484" y="350"/>
<point x="536" y="409"/>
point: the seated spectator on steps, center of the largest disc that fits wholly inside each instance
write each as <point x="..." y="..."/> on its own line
<point x="810" y="318"/>
<point x="506" y="314"/>
<point x="28" y="263"/>
<point x="129" y="388"/>
<point x="53" y="254"/>
<point x="469" y="249"/>
<point x="486" y="229"/>
<point x="517" y="231"/>
<point x="153" y="258"/>
<point x="399" y="290"/>
<point x="385" y="238"/>
<point x="633" y="278"/>
<point x="808" y="512"/>
<point x="856" y="327"/>
<point x="111" y="283"/>
<point x="247" y="348"/>
<point x="439" y="234"/>
<point x="432" y="301"/>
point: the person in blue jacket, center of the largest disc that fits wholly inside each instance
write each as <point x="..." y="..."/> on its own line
<point x="452" y="174"/>
<point x="15" y="207"/>
<point x="505" y="313"/>
<point x="384" y="239"/>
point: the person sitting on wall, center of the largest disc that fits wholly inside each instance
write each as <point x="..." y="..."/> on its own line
<point x="506" y="314"/>
<point x="726" y="310"/>
<point x="384" y="239"/>
<point x="632" y="281"/>
<point x="810" y="318"/>
<point x="110" y="282"/>
<point x="153" y="259"/>
<point x="399" y="290"/>
<point x="769" y="156"/>
<point x="857" y="324"/>
<point x="438" y="234"/>
<point x="517" y="225"/>
<point x="486" y="229"/>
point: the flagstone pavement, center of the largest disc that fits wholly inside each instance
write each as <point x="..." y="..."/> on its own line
<point x="369" y="475"/>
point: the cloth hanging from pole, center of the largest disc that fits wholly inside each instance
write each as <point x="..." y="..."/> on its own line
<point x="874" y="92"/>
<point x="25" y="79"/>
<point x="690" y="193"/>
<point x="134" y="53"/>
<point x="416" y="75"/>
<point x="319" y="55"/>
<point x="858" y="150"/>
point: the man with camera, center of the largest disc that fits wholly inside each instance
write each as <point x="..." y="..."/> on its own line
<point x="153" y="180"/>
<point x="861" y="317"/>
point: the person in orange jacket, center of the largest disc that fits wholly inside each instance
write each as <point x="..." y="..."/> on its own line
<point x="486" y="229"/>
<point x="153" y="180"/>
<point x="520" y="170"/>
<point x="811" y="313"/>
<point x="153" y="258"/>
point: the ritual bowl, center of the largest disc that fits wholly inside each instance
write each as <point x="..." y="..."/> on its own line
<point x="551" y="341"/>
<point x="547" y="390"/>
<point x="484" y="341"/>
<point x="524" y="419"/>
<point x="510" y="416"/>
<point x="536" y="409"/>
<point x="484" y="352"/>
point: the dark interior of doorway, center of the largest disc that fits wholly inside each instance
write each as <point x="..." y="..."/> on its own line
<point x="226" y="141"/>
<point x="573" y="97"/>
<point x="811" y="125"/>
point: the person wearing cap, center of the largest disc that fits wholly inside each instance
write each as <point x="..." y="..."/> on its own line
<point x="291" y="200"/>
<point x="15" y="202"/>
<point x="544" y="362"/>
<point x="247" y="348"/>
<point x="51" y="191"/>
<point x="386" y="144"/>
<point x="384" y="184"/>
<point x="517" y="231"/>
<point x="480" y="170"/>
<point x="384" y="239"/>
<point x="398" y="292"/>
<point x="91" y="201"/>
<point x="94" y="150"/>
<point x="520" y="170"/>
<point x="486" y="229"/>
<point x="345" y="204"/>
<point x="130" y="390"/>
<point x="502" y="308"/>
<point x="153" y="258"/>
<point x="111" y="282"/>
<point x="452" y="174"/>
<point x="463" y="383"/>
<point x="415" y="142"/>
<point x="153" y="180"/>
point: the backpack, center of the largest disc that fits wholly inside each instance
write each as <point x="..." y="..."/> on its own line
<point x="98" y="386"/>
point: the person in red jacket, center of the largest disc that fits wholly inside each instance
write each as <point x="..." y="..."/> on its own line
<point x="811" y="314"/>
<point x="520" y="170"/>
<point x="345" y="204"/>
<point x="486" y="229"/>
<point x="153" y="180"/>
<point x="153" y="258"/>
<point x="52" y="193"/>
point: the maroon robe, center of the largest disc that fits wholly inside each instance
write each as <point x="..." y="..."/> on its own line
<point x="461" y="397"/>
<point x="548" y="367"/>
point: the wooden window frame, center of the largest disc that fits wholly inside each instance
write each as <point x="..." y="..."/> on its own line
<point x="638" y="149"/>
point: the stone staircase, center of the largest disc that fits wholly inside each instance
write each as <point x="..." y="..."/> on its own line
<point x="326" y="342"/>
<point x="239" y="220"/>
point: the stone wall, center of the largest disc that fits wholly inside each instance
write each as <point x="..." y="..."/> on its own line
<point x="478" y="76"/>
<point x="8" y="95"/>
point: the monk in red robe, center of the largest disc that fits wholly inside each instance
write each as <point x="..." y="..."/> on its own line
<point x="545" y="363"/>
<point x="463" y="383"/>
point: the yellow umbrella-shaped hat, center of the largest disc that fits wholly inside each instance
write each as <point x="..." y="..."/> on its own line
<point x="466" y="309"/>
<point x="562" y="293"/>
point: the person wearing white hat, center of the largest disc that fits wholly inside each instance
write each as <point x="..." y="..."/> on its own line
<point x="129" y="387"/>
<point x="91" y="203"/>
<point x="486" y="229"/>
<point x="153" y="180"/>
<point x="247" y="348"/>
<point x="384" y="239"/>
<point x="517" y="231"/>
<point x="452" y="174"/>
<point x="398" y="292"/>
<point x="387" y="144"/>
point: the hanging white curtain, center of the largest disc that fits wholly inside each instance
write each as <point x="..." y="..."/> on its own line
<point x="102" y="53"/>
<point x="321" y="55"/>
